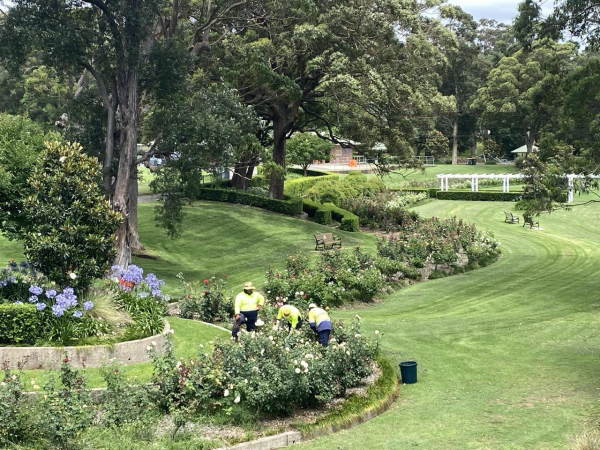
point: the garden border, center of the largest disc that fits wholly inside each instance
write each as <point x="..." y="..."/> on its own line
<point x="287" y="438"/>
<point x="90" y="356"/>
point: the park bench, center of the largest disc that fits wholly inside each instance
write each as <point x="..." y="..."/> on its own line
<point x="327" y="240"/>
<point x="508" y="217"/>
<point x="528" y="220"/>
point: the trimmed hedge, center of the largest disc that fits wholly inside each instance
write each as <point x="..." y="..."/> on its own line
<point x="309" y="172"/>
<point x="348" y="221"/>
<point x="301" y="185"/>
<point x="431" y="192"/>
<point x="19" y="324"/>
<point x="291" y="207"/>
<point x="479" y="196"/>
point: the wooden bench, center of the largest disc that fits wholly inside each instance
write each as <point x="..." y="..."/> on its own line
<point x="528" y="220"/>
<point x="327" y="240"/>
<point x="508" y="217"/>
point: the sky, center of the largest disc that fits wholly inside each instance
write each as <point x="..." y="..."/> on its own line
<point x="500" y="10"/>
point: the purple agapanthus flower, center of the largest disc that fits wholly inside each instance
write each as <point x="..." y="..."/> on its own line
<point x="156" y="293"/>
<point x="77" y="314"/>
<point x="50" y="293"/>
<point x="58" y="310"/>
<point x="88" y="305"/>
<point x="143" y="294"/>
<point x="133" y="274"/>
<point x="18" y="303"/>
<point x="153" y="281"/>
<point x="35" y="290"/>
<point x="33" y="299"/>
<point x="40" y="306"/>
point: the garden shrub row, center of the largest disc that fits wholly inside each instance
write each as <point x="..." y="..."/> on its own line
<point x="478" y="196"/>
<point x="291" y="207"/>
<point x="324" y="213"/>
<point x="300" y="185"/>
<point x="19" y="323"/>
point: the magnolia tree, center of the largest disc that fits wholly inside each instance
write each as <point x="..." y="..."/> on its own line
<point x="70" y="232"/>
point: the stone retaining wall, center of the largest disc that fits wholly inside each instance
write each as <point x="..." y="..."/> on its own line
<point x="89" y="356"/>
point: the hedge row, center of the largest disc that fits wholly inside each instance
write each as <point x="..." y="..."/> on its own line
<point x="481" y="196"/>
<point x="291" y="206"/>
<point x="19" y="324"/>
<point x="324" y="213"/>
<point x="429" y="191"/>
<point x="300" y="185"/>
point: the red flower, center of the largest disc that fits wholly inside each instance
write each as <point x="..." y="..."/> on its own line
<point x="276" y="274"/>
<point x="205" y="281"/>
<point x="66" y="360"/>
<point x="116" y="370"/>
<point x="205" y="292"/>
<point x="189" y="296"/>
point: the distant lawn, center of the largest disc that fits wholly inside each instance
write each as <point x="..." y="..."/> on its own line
<point x="397" y="180"/>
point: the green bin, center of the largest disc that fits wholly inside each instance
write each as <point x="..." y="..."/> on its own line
<point x="471" y="161"/>
<point x="408" y="370"/>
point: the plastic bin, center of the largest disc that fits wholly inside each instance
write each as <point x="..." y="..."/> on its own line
<point x="408" y="371"/>
<point x="471" y="161"/>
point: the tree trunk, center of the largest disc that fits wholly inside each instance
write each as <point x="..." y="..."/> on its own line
<point x="305" y="170"/>
<point x="474" y="145"/>
<point x="529" y="140"/>
<point x="134" y="236"/>
<point x="244" y="170"/>
<point x="455" y="141"/>
<point x="109" y="150"/>
<point x="277" y="178"/>
<point x="128" y="104"/>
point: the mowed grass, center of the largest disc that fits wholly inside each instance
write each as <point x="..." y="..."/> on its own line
<point x="239" y="241"/>
<point x="508" y="355"/>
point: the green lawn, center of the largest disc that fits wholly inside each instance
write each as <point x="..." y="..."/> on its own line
<point x="234" y="240"/>
<point x="144" y="179"/>
<point x="508" y="355"/>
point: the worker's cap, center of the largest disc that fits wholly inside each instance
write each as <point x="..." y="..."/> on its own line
<point x="286" y="310"/>
<point x="311" y="306"/>
<point x="248" y="286"/>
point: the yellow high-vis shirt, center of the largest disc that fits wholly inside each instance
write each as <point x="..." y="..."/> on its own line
<point x="292" y="318"/>
<point x="245" y="302"/>
<point x="318" y="316"/>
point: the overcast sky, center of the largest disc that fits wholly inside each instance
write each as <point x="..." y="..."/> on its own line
<point x="500" y="10"/>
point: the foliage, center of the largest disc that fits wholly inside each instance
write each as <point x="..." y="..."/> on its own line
<point x="332" y="190"/>
<point x="205" y="300"/>
<point x="385" y="211"/>
<point x="141" y="298"/>
<point x="299" y="186"/>
<point x="436" y="144"/>
<point x="292" y="206"/>
<point x="21" y="142"/>
<point x="544" y="186"/>
<point x="64" y="412"/>
<point x="66" y="208"/>
<point x="281" y="371"/>
<point x="122" y="403"/>
<point x="15" y="420"/>
<point x="304" y="148"/>
<point x="481" y="196"/>
<point x="18" y="324"/>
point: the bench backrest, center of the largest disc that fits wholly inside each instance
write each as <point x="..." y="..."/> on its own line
<point x="508" y="214"/>
<point x="325" y="236"/>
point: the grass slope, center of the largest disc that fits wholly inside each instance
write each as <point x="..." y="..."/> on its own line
<point x="508" y="355"/>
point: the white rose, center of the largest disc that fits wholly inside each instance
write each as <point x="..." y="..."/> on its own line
<point x="72" y="276"/>
<point x="226" y="393"/>
<point x="153" y="343"/>
<point x="237" y="399"/>
<point x="297" y="370"/>
<point x="376" y="331"/>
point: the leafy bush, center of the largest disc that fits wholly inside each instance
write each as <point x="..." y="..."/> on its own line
<point x="479" y="196"/>
<point x="205" y="300"/>
<point x="16" y="423"/>
<point x="290" y="207"/>
<point x="141" y="298"/>
<point x="67" y="207"/>
<point x="331" y="190"/>
<point x="280" y="371"/>
<point x="19" y="324"/>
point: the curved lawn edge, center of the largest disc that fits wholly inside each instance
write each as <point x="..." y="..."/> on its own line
<point x="92" y="356"/>
<point x="355" y="410"/>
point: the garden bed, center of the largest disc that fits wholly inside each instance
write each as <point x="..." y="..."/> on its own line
<point x="84" y="356"/>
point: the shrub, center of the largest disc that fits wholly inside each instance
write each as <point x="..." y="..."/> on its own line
<point x="67" y="207"/>
<point x="300" y="186"/>
<point x="205" y="300"/>
<point x="141" y="298"/>
<point x="479" y="196"/>
<point x="331" y="190"/>
<point x="19" y="324"/>
<point x="323" y="215"/>
<point x="291" y="207"/>
<point x="15" y="420"/>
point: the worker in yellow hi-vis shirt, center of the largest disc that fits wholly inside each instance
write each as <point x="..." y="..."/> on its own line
<point x="247" y="304"/>
<point x="320" y="323"/>
<point x="292" y="316"/>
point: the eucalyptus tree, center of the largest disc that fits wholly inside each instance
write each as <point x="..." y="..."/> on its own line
<point x="524" y="93"/>
<point x="299" y="63"/>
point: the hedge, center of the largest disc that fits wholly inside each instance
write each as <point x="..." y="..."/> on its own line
<point x="309" y="172"/>
<point x="292" y="206"/>
<point x="429" y="191"/>
<point x="348" y="221"/>
<point x="19" y="324"/>
<point x="301" y="185"/>
<point x="479" y="196"/>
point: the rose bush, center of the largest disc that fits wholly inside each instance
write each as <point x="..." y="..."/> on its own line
<point x="205" y="300"/>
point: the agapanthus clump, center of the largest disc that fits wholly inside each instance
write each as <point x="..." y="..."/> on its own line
<point x="132" y="279"/>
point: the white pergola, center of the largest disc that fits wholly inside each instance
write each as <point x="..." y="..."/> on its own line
<point x="572" y="177"/>
<point x="475" y="177"/>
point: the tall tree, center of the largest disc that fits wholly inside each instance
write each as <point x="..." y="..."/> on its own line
<point x="296" y="58"/>
<point x="524" y="93"/>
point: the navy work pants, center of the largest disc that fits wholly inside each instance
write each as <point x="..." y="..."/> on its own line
<point x="246" y="317"/>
